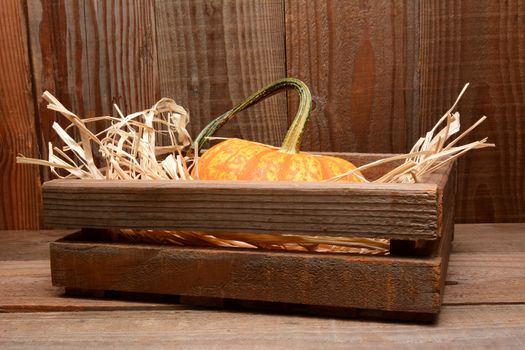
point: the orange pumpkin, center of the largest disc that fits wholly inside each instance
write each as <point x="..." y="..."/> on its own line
<point x="236" y="159"/>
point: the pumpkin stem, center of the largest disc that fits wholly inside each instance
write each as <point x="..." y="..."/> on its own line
<point x="292" y="140"/>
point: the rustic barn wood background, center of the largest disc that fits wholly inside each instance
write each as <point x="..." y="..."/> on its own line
<point x="381" y="72"/>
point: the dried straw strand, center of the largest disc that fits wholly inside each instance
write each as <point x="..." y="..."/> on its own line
<point x="127" y="146"/>
<point x="429" y="153"/>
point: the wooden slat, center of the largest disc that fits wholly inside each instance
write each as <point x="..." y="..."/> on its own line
<point x="446" y="203"/>
<point x="484" y="45"/>
<point x="360" y="59"/>
<point x="20" y="184"/>
<point x="59" y="61"/>
<point x="408" y="211"/>
<point x="365" y="282"/>
<point x="91" y="54"/>
<point x="458" y="327"/>
<point x="213" y="54"/>
<point x="122" y="55"/>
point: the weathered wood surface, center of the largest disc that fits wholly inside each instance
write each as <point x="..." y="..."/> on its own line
<point x="489" y="238"/>
<point x="410" y="211"/>
<point x="59" y="61"/>
<point x="207" y="55"/>
<point x="493" y="324"/>
<point x="481" y="42"/>
<point x="91" y="54"/>
<point x="491" y="327"/>
<point x="365" y="282"/>
<point x="475" y="249"/>
<point x="382" y="73"/>
<point x="28" y="245"/>
<point x="19" y="185"/>
<point x="487" y="265"/>
<point x="360" y="59"/>
<point x="214" y="54"/>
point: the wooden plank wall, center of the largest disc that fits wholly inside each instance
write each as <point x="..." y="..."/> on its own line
<point x="482" y="43"/>
<point x="20" y="186"/>
<point x="381" y="73"/>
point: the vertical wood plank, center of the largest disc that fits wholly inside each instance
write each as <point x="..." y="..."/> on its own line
<point x="121" y="55"/>
<point x="360" y="59"/>
<point x="91" y="54"/>
<point x="482" y="43"/>
<point x="19" y="184"/>
<point x="214" y="53"/>
<point x="59" y="60"/>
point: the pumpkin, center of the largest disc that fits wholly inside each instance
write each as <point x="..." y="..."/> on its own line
<point x="237" y="159"/>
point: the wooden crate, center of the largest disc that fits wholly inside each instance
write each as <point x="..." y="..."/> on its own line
<point x="416" y="218"/>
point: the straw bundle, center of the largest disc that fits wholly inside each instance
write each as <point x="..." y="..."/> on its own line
<point x="130" y="150"/>
<point x="429" y="153"/>
<point x="128" y="146"/>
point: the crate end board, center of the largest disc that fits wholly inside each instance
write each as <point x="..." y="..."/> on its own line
<point x="390" y="211"/>
<point x="389" y="283"/>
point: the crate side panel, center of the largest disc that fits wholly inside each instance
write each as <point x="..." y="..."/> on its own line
<point x="405" y="211"/>
<point x="393" y="284"/>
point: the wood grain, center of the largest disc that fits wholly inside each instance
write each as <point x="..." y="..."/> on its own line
<point x="25" y="284"/>
<point x="213" y="54"/>
<point x="489" y="238"/>
<point x="364" y="282"/>
<point x="91" y="54"/>
<point x="121" y="47"/>
<point x="360" y="60"/>
<point x="59" y="60"/>
<point x="25" y="280"/>
<point x="481" y="43"/>
<point x="458" y="327"/>
<point x="468" y="285"/>
<point x="409" y="211"/>
<point x="19" y="184"/>
<point x="487" y="255"/>
<point x="28" y="245"/>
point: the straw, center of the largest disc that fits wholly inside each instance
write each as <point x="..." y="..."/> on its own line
<point x="429" y="153"/>
<point x="128" y="146"/>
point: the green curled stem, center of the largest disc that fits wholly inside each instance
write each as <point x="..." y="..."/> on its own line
<point x="292" y="141"/>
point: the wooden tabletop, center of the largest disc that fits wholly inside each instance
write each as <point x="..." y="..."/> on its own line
<point x="484" y="307"/>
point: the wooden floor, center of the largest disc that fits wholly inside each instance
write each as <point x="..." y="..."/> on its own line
<point x="484" y="308"/>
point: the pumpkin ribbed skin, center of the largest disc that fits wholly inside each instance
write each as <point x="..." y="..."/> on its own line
<point x="236" y="159"/>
